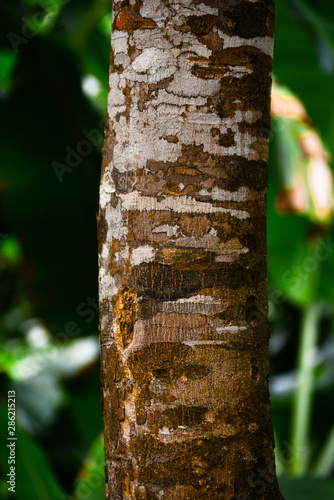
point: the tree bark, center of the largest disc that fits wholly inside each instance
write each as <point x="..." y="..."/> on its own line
<point x="182" y="241"/>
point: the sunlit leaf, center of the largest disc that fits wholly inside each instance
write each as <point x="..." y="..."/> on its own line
<point x="306" y="185"/>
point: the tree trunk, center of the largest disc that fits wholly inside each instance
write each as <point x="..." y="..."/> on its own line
<point x="182" y="241"/>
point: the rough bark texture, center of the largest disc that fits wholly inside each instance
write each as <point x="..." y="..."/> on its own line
<point x="182" y="241"/>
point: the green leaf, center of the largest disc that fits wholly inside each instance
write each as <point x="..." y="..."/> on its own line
<point x="306" y="181"/>
<point x="288" y="235"/>
<point x="90" y="482"/>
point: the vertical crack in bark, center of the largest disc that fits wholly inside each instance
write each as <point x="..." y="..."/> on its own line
<point x="182" y="249"/>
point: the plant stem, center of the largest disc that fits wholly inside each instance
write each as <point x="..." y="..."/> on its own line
<point x="302" y="410"/>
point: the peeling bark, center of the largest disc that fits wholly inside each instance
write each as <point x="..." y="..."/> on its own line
<point x="182" y="241"/>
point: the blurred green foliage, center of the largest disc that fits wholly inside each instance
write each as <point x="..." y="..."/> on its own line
<point x="54" y="59"/>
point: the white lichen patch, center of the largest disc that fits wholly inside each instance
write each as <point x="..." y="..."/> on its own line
<point x="141" y="138"/>
<point x="108" y="285"/>
<point x="122" y="59"/>
<point x="107" y="187"/>
<point x="142" y="254"/>
<point x="179" y="204"/>
<point x="188" y="8"/>
<point x="185" y="84"/>
<point x="123" y="255"/>
<point x="193" y="130"/>
<point x="145" y="39"/>
<point x="263" y="43"/>
<point x="191" y="46"/>
<point x="231" y="256"/>
<point x="119" y="41"/>
<point x="105" y="251"/>
<point x="162" y="73"/>
<point x="160" y="12"/>
<point x="197" y="304"/>
<point x="117" y="228"/>
<point x="206" y="9"/>
<point x="129" y="421"/>
<point x="230" y="329"/>
<point x="164" y="431"/>
<point x="155" y="9"/>
<point x="166" y="228"/>
<point x="241" y="195"/>
<point x="238" y="71"/>
<point x="194" y="343"/>
<point x="157" y="63"/>
<point x="115" y="95"/>
<point x="166" y="97"/>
